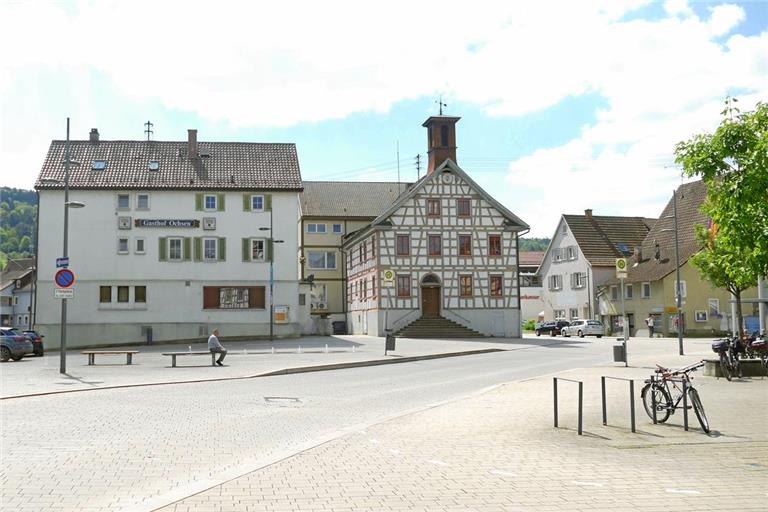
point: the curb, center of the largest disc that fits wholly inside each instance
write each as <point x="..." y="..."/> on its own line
<point x="284" y="371"/>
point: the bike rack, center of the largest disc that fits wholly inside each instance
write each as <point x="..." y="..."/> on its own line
<point x="631" y="400"/>
<point x="581" y="400"/>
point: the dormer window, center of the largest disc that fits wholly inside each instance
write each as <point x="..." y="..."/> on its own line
<point x="154" y="165"/>
<point x="98" y="165"/>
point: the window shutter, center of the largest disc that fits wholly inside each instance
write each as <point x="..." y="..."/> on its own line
<point x="198" y="248"/>
<point x="187" y="248"/>
<point x="270" y="247"/>
<point x="162" y="249"/>
<point x="246" y="249"/>
<point x="267" y="202"/>
<point x="222" y="249"/>
<point x="199" y="201"/>
<point x="246" y="202"/>
<point x="220" y="202"/>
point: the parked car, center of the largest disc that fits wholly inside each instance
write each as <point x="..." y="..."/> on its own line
<point x="551" y="327"/>
<point x="37" y="341"/>
<point x="13" y="345"/>
<point x="583" y="328"/>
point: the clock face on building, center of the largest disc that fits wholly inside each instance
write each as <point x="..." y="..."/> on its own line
<point x="447" y="177"/>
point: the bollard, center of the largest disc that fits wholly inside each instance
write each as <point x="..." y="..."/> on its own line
<point x="581" y="403"/>
<point x="326" y="348"/>
<point x="554" y="381"/>
<point x="245" y="351"/>
<point x="353" y="348"/>
<point x="273" y="350"/>
<point x="299" y="351"/>
<point x="605" y="409"/>
<point x="190" y="348"/>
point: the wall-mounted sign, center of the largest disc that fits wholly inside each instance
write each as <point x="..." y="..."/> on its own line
<point x="166" y="223"/>
<point x="388" y="278"/>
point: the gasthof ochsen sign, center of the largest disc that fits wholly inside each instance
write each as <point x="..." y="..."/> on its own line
<point x="166" y="223"/>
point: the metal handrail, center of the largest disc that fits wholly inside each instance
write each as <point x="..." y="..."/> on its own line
<point x="581" y="400"/>
<point x="631" y="399"/>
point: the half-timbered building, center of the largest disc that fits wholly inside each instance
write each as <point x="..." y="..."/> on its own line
<point x="444" y="250"/>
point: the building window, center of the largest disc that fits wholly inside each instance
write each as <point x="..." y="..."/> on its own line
<point x="174" y="249"/>
<point x="465" y="245"/>
<point x="530" y="281"/>
<point x="257" y="203"/>
<point x="558" y="313"/>
<point x="209" y="202"/>
<point x="714" y="307"/>
<point x="574" y="313"/>
<point x="433" y="207"/>
<point x="315" y="228"/>
<point x="142" y="201"/>
<point x="555" y="282"/>
<point x="571" y="252"/>
<point x="302" y="299"/>
<point x="403" y="286"/>
<point x="363" y="251"/>
<point x="123" y="202"/>
<point x="497" y="286"/>
<point x="614" y="293"/>
<point x="257" y="249"/>
<point x="140" y="246"/>
<point x="646" y="291"/>
<point x="564" y="229"/>
<point x="465" y="286"/>
<point x="403" y="245"/>
<point x="221" y="297"/>
<point x="321" y="259"/>
<point x="435" y="245"/>
<point x="122" y="293"/>
<point x="462" y="207"/>
<point x="337" y="229"/>
<point x="140" y="294"/>
<point x="122" y="246"/>
<point x="578" y="280"/>
<point x="628" y="291"/>
<point x="494" y="245"/>
<point x="209" y="249"/>
<point x="105" y="294"/>
<point x="444" y="136"/>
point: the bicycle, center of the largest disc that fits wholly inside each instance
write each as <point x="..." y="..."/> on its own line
<point x="664" y="391"/>
<point x="757" y="348"/>
<point x="728" y="349"/>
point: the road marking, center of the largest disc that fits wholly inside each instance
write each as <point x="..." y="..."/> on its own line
<point x="501" y="472"/>
<point x="589" y="484"/>
<point x="682" y="491"/>
<point x="438" y="462"/>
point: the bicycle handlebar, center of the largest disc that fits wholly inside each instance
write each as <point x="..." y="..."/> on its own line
<point x="668" y="372"/>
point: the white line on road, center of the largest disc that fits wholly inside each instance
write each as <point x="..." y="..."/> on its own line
<point x="501" y="472"/>
<point x="682" y="491"/>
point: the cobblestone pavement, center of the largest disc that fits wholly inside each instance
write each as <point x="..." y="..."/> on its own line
<point x="499" y="452"/>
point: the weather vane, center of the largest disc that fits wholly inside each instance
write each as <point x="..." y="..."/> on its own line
<point x="441" y="104"/>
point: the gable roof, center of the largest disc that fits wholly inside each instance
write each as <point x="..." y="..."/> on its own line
<point x="690" y="197"/>
<point x="512" y="220"/>
<point x="348" y="198"/>
<point x="16" y="269"/>
<point x="602" y="239"/>
<point x="230" y="165"/>
<point x="530" y="258"/>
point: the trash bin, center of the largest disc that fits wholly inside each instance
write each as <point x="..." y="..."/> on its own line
<point x="619" y="354"/>
<point x="340" y="327"/>
<point x="390" y="343"/>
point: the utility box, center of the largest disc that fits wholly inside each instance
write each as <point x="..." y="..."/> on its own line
<point x="619" y="354"/>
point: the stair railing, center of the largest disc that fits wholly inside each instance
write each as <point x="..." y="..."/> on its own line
<point x="403" y="321"/>
<point x="461" y="320"/>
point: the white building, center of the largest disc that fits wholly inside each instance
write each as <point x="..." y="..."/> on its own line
<point x="174" y="239"/>
<point x="17" y="293"/>
<point x="444" y="250"/>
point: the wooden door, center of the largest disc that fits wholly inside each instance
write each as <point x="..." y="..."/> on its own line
<point x="430" y="302"/>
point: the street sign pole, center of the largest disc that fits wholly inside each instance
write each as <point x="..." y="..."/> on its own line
<point x="621" y="273"/>
<point x="63" y="352"/>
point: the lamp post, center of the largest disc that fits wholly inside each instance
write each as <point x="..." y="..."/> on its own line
<point x="67" y="205"/>
<point x="679" y="295"/>
<point x="271" y="278"/>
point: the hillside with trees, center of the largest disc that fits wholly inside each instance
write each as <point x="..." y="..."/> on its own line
<point x="534" y="244"/>
<point x="18" y="216"/>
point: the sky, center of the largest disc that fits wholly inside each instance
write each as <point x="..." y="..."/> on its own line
<point x="564" y="105"/>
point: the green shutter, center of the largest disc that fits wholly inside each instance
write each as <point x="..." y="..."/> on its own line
<point x="222" y="249"/>
<point x="187" y="248"/>
<point x="246" y="202"/>
<point x="162" y="249"/>
<point x="198" y="248"/>
<point x="199" y="202"/>
<point x="270" y="248"/>
<point x="267" y="202"/>
<point x="220" y="202"/>
<point x="246" y="249"/>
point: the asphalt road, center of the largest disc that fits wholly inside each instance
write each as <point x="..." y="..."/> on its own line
<point x="142" y="447"/>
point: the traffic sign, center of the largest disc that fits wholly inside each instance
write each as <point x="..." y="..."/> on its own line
<point x="62" y="262"/>
<point x="388" y="278"/>
<point x="621" y="268"/>
<point x="64" y="278"/>
<point x="64" y="293"/>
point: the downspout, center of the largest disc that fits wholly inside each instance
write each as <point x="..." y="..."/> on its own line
<point x="589" y="290"/>
<point x="33" y="313"/>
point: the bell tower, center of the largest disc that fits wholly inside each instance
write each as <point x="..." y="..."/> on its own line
<point x="441" y="140"/>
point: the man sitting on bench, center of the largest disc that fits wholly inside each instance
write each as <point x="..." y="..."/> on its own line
<point x="215" y="347"/>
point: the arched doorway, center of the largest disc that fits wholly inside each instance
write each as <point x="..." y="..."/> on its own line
<point x="430" y="296"/>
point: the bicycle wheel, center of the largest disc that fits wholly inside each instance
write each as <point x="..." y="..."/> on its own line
<point x="693" y="395"/>
<point x="662" y="399"/>
<point x="725" y="366"/>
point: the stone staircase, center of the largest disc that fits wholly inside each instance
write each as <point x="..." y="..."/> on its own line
<point x="436" y="328"/>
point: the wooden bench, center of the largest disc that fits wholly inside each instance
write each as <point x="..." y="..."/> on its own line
<point x="92" y="355"/>
<point x="174" y="355"/>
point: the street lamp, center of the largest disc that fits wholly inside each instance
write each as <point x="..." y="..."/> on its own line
<point x="677" y="273"/>
<point x="67" y="205"/>
<point x="271" y="278"/>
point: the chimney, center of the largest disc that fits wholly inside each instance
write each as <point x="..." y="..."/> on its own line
<point x="192" y="143"/>
<point x="441" y="140"/>
<point x="94" y="135"/>
<point x="588" y="213"/>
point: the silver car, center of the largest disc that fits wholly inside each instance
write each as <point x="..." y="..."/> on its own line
<point x="583" y="328"/>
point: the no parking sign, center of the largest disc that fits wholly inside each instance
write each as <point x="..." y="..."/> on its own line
<point x="64" y="278"/>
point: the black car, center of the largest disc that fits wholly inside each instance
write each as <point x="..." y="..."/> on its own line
<point x="551" y="327"/>
<point x="37" y="341"/>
